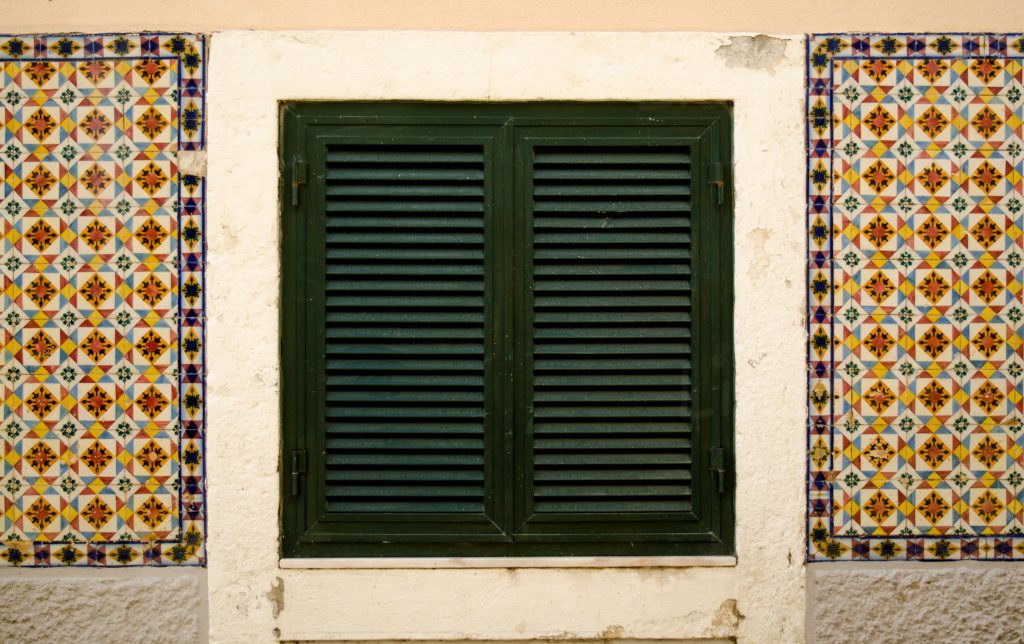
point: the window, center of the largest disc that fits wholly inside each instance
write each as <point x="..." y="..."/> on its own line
<point x="506" y="329"/>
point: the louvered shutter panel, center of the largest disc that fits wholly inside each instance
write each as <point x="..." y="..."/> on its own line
<point x="405" y="329"/>
<point x="612" y="358"/>
<point x="506" y="330"/>
<point x="400" y="338"/>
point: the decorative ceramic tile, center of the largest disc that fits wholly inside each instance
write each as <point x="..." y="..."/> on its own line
<point x="103" y="316"/>
<point x="915" y="151"/>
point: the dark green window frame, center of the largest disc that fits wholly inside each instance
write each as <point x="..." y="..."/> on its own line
<point x="511" y="139"/>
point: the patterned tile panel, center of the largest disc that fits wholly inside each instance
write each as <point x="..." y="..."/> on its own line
<point x="102" y="315"/>
<point x="915" y="202"/>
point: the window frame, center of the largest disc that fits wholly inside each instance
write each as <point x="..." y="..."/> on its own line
<point x="301" y="536"/>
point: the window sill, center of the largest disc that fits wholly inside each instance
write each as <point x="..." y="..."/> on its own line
<point x="342" y="563"/>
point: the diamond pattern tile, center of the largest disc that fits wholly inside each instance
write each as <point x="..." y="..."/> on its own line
<point x="915" y="252"/>
<point x="103" y="313"/>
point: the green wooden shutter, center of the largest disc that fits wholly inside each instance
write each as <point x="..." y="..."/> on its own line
<point x="405" y="329"/>
<point x="506" y="330"/>
<point x="611" y="446"/>
<point x="398" y="337"/>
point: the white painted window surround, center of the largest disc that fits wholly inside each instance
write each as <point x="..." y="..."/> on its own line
<point x="250" y="73"/>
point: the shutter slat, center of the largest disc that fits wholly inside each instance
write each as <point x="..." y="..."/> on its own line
<point x="419" y="506"/>
<point x="403" y="412"/>
<point x="615" y="491"/>
<point x="634" y="269"/>
<point x="385" y="237"/>
<point x="542" y="380"/>
<point x="609" y="206"/>
<point x="402" y="301"/>
<point x="612" y="357"/>
<point x="405" y="285"/>
<point x="639" y="395"/>
<point x="403" y="443"/>
<point x="407" y="173"/>
<point x="616" y="189"/>
<point x="431" y="347"/>
<point x="611" y="237"/>
<point x="626" y="442"/>
<point x="610" y="474"/>
<point x="609" y="317"/>
<point x="399" y="397"/>
<point x="628" y="254"/>
<point x="409" y="206"/>
<point x="620" y="301"/>
<point x="409" y="427"/>
<point x="629" y="506"/>
<point x="406" y="254"/>
<point x="406" y="474"/>
<point x="616" y="223"/>
<point x="361" y="157"/>
<point x="607" y="156"/>
<point x="613" y="364"/>
<point x="406" y="317"/>
<point x="391" y="271"/>
<point x="626" y="428"/>
<point x="611" y="459"/>
<point x="418" y="221"/>
<point x="405" y="383"/>
<point x="560" y="286"/>
<point x="403" y="460"/>
<point x="410" y="333"/>
<point x="586" y="173"/>
<point x="542" y="411"/>
<point x="631" y="333"/>
<point x="411" y="491"/>
<point x="592" y="348"/>
<point x="402" y="190"/>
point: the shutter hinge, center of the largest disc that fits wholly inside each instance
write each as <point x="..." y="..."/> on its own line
<point x="716" y="460"/>
<point x="300" y="169"/>
<point x="298" y="468"/>
<point x="716" y="179"/>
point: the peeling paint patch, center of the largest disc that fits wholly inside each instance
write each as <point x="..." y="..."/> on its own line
<point x="611" y="633"/>
<point x="192" y="162"/>
<point x="760" y="263"/>
<point x="726" y="620"/>
<point x="758" y="52"/>
<point x="276" y="596"/>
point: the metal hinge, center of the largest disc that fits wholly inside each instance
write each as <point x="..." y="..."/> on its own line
<point x="300" y="170"/>
<point x="716" y="460"/>
<point x="716" y="179"/>
<point x="298" y="469"/>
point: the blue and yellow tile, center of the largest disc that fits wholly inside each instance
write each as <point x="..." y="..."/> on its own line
<point x="102" y="315"/>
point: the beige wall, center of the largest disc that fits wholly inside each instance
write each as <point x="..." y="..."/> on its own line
<point x="761" y="16"/>
<point x="253" y="598"/>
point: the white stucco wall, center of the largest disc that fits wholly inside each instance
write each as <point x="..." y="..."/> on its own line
<point x="252" y="599"/>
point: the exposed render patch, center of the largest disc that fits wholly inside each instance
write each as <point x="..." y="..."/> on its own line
<point x="611" y="633"/>
<point x="192" y="162"/>
<point x="726" y="620"/>
<point x="276" y="596"/>
<point x="758" y="52"/>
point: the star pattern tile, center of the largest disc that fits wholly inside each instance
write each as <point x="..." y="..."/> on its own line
<point x="103" y="312"/>
<point x="915" y="150"/>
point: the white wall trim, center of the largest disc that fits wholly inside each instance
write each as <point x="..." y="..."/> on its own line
<point x="253" y="597"/>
